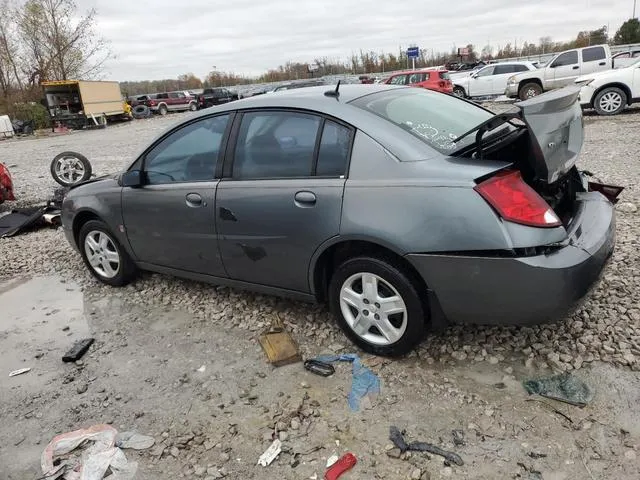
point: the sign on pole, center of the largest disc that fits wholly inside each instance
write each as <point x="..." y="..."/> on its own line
<point x="413" y="53"/>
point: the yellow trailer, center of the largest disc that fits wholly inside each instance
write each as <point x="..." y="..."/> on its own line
<point x="82" y="103"/>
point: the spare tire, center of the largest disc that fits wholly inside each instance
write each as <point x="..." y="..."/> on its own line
<point x="69" y="168"/>
<point x="141" y="111"/>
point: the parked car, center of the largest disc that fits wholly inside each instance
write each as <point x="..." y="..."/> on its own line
<point x="215" y="96"/>
<point x="432" y="80"/>
<point x="166" y="102"/>
<point x="297" y="84"/>
<point x="562" y="70"/>
<point x="136" y="100"/>
<point x="399" y="207"/>
<point x="624" y="59"/>
<point x="6" y="184"/>
<point x="490" y="80"/>
<point x="610" y="92"/>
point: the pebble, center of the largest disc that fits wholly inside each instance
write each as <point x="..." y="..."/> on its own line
<point x="416" y="474"/>
<point x="283" y="436"/>
<point x="394" y="453"/>
<point x="81" y="388"/>
<point x="630" y="455"/>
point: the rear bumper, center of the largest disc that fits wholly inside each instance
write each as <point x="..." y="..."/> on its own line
<point x="524" y="290"/>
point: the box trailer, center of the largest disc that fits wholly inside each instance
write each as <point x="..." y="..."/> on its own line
<point x="82" y="103"/>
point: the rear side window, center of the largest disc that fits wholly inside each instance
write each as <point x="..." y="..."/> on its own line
<point x="567" y="58"/>
<point x="593" y="54"/>
<point x="501" y="69"/>
<point x="275" y="145"/>
<point x="398" y="80"/>
<point x="333" y="154"/>
<point x="520" y="68"/>
<point x="444" y="76"/>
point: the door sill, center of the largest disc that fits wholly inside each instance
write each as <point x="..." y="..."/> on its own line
<point x="228" y="282"/>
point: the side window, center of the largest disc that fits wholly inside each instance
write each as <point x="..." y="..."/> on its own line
<point x="275" y="145"/>
<point x="520" y="68"/>
<point x="333" y="155"/>
<point x="189" y="154"/>
<point x="502" y="69"/>
<point x="593" y="54"/>
<point x="425" y="77"/>
<point x="486" y="72"/>
<point x="417" y="78"/>
<point x="398" y="80"/>
<point x="567" y="58"/>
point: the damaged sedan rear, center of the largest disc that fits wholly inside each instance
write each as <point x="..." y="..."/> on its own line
<point x="401" y="208"/>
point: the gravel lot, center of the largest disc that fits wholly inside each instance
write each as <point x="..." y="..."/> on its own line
<point x="165" y="328"/>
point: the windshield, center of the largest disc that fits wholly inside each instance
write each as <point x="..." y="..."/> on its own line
<point x="436" y="119"/>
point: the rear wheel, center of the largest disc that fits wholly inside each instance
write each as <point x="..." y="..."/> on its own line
<point x="104" y="256"/>
<point x="459" y="92"/>
<point x="193" y="107"/>
<point x="377" y="306"/>
<point x="610" y="101"/>
<point x="163" y="110"/>
<point x="529" y="90"/>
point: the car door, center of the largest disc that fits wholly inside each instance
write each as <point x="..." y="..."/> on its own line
<point x="565" y="68"/>
<point x="480" y="83"/>
<point x="594" y="59"/>
<point x="170" y="218"/>
<point x="281" y="197"/>
<point x="635" y="82"/>
<point x="501" y="74"/>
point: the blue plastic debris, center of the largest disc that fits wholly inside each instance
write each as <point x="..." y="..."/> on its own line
<point x="363" y="381"/>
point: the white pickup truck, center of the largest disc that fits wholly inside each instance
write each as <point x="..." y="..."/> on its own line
<point x="562" y="70"/>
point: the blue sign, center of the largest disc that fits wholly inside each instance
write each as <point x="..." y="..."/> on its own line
<point x="413" y="52"/>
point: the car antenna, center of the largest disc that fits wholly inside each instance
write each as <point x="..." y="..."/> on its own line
<point x="334" y="93"/>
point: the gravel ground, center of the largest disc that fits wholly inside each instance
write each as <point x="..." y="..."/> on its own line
<point x="602" y="339"/>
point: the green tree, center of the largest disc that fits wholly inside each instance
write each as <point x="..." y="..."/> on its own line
<point x="629" y="32"/>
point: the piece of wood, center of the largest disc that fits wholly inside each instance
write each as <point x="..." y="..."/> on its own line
<point x="280" y="348"/>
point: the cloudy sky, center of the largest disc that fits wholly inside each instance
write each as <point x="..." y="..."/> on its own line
<point x="156" y="39"/>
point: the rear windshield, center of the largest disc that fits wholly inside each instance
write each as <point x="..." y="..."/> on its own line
<point x="445" y="76"/>
<point x="435" y="118"/>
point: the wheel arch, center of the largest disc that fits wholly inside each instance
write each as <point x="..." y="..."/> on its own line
<point x="621" y="86"/>
<point x="80" y="219"/>
<point x="529" y="80"/>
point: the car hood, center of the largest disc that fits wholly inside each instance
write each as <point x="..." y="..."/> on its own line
<point x="555" y="122"/>
<point x="111" y="176"/>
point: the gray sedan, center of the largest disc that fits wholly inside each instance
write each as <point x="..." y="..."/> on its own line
<point x="402" y="208"/>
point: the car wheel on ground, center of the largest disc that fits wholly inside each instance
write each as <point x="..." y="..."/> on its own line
<point x="163" y="110"/>
<point x="104" y="256"/>
<point x="69" y="168"/>
<point x="610" y="101"/>
<point x="193" y="107"/>
<point x="529" y="90"/>
<point x="377" y="306"/>
<point x="459" y="92"/>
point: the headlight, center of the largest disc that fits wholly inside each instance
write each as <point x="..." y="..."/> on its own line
<point x="512" y="80"/>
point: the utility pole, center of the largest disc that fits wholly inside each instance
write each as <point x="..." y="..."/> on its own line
<point x="634" y="9"/>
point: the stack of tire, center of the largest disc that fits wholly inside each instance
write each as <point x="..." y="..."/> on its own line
<point x="141" y="111"/>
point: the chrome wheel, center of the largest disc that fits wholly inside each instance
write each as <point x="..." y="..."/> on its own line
<point x="102" y="254"/>
<point x="373" y="309"/>
<point x="69" y="169"/>
<point x="531" y="92"/>
<point x="610" y="102"/>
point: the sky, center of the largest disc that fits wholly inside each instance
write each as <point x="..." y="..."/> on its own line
<point x="155" y="39"/>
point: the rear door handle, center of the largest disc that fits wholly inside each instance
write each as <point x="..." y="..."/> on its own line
<point x="305" y="199"/>
<point x="602" y="64"/>
<point x="194" y="200"/>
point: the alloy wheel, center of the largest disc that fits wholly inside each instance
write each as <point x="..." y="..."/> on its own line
<point x="373" y="309"/>
<point x="102" y="254"/>
<point x="69" y="169"/>
<point x="610" y="102"/>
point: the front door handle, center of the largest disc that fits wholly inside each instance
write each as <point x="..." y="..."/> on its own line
<point x="194" y="200"/>
<point x="305" y="199"/>
<point x="602" y="64"/>
<point x="575" y="67"/>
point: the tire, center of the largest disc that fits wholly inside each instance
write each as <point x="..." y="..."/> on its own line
<point x="529" y="90"/>
<point x="70" y="168"/>
<point x="112" y="273"/>
<point x="459" y="92"/>
<point x="141" y="111"/>
<point x="610" y="101"/>
<point x="193" y="107"/>
<point x="163" y="110"/>
<point x="408" y="328"/>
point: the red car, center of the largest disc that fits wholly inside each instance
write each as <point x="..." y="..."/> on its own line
<point x="6" y="185"/>
<point x="437" y="80"/>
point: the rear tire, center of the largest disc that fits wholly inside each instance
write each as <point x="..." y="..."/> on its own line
<point x="104" y="256"/>
<point x="193" y="107"/>
<point x="163" y="110"/>
<point x="610" y="101"/>
<point x="529" y="90"/>
<point x="459" y="92"/>
<point x="377" y="306"/>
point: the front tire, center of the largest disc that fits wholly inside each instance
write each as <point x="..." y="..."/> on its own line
<point x="104" y="256"/>
<point x="610" y="101"/>
<point x="377" y="306"/>
<point x="529" y="90"/>
<point x="193" y="107"/>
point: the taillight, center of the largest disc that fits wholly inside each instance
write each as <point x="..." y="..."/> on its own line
<point x="516" y="201"/>
<point x="152" y="103"/>
<point x="442" y="84"/>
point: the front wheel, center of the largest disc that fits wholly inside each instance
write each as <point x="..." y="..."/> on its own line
<point x="69" y="168"/>
<point x="377" y="306"/>
<point x="193" y="107"/>
<point x="529" y="90"/>
<point x="459" y="92"/>
<point x="104" y="256"/>
<point x="610" y="101"/>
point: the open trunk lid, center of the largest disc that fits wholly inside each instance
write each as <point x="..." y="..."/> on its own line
<point x="555" y="122"/>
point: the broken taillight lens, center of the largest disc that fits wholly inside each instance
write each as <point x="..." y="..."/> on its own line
<point x="516" y="201"/>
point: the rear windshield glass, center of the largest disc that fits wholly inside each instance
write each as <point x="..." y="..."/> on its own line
<point x="435" y="118"/>
<point x="445" y="76"/>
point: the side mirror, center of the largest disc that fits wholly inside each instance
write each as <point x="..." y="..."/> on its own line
<point x="132" y="178"/>
<point x="474" y="75"/>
